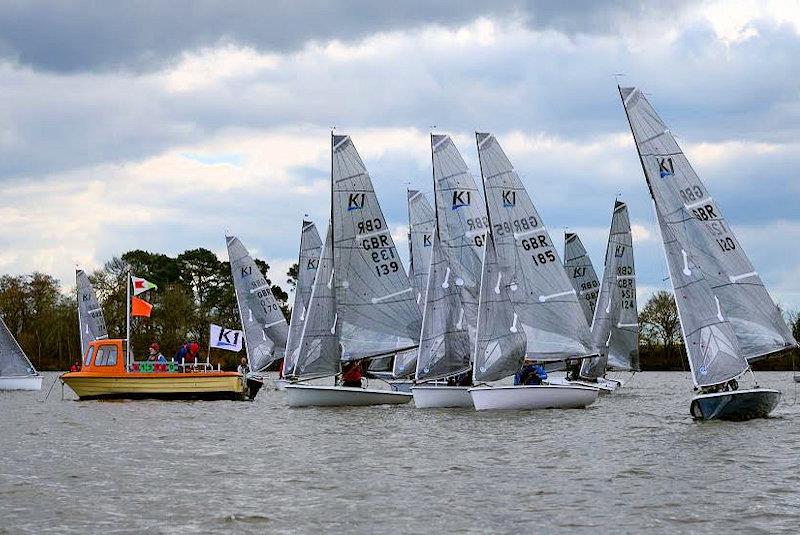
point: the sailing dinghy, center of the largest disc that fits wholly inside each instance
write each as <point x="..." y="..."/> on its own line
<point x="16" y="370"/>
<point x="307" y="264"/>
<point x="727" y="317"/>
<point x="541" y="302"/>
<point x="91" y="322"/>
<point x="265" y="328"/>
<point x="367" y="306"/>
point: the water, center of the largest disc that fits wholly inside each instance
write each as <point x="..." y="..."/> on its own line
<point x="632" y="462"/>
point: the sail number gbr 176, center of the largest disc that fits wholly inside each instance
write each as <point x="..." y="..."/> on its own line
<point x="381" y="252"/>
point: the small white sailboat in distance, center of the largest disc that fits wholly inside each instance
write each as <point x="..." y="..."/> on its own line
<point x="373" y="304"/>
<point x="543" y="305"/>
<point x="16" y="370"/>
<point x="727" y="317"/>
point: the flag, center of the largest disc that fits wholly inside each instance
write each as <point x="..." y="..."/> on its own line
<point x="140" y="307"/>
<point x="223" y="338"/>
<point x="141" y="285"/>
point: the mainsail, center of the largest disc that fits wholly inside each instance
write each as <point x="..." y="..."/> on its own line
<point x="581" y="273"/>
<point x="421" y="227"/>
<point x="683" y="200"/>
<point x="444" y="347"/>
<point x="544" y="299"/>
<point x="91" y="322"/>
<point x="711" y="344"/>
<point x="310" y="249"/>
<point x="319" y="351"/>
<point x="500" y="346"/>
<point x="623" y="349"/>
<point x="614" y="293"/>
<point x="265" y="328"/>
<point x="13" y="361"/>
<point x="376" y="306"/>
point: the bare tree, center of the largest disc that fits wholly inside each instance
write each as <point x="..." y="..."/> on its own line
<point x="659" y="322"/>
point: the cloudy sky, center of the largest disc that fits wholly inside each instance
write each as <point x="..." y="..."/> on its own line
<point x="160" y="125"/>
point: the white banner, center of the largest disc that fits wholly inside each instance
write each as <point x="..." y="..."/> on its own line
<point x="223" y="338"/>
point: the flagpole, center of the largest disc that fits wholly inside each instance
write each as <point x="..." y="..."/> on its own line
<point x="128" y="319"/>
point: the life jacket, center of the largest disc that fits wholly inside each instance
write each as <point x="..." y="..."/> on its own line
<point x="353" y="373"/>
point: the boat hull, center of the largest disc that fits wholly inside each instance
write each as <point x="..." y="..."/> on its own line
<point x="527" y="397"/>
<point x="432" y="397"/>
<point x="179" y="386"/>
<point x="605" y="386"/>
<point x="21" y="382"/>
<point x="280" y="384"/>
<point x="298" y="395"/>
<point x="736" y="405"/>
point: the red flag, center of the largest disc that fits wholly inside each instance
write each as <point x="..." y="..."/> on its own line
<point x="140" y="307"/>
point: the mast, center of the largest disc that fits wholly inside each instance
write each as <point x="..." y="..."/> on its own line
<point x="80" y="325"/>
<point x="128" y="319"/>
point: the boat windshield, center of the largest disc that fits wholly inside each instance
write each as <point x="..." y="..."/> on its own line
<point x="106" y="356"/>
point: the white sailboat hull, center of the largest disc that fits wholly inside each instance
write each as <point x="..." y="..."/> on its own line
<point x="299" y="395"/>
<point x="280" y="384"/>
<point x="21" y="382"/>
<point x="526" y="397"/>
<point x="401" y="385"/>
<point x="431" y="397"/>
<point x="737" y="405"/>
<point x="605" y="386"/>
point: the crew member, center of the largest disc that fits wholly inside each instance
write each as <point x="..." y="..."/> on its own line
<point x="352" y="374"/>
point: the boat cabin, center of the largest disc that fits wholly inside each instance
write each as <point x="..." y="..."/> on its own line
<point x="108" y="357"/>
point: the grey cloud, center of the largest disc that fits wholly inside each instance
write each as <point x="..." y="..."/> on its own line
<point x="142" y="35"/>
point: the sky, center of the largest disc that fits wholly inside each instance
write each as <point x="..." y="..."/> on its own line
<point x="163" y="125"/>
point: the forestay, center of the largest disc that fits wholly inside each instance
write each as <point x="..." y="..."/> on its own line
<point x="711" y="344"/>
<point x="13" y="361"/>
<point x="544" y="299"/>
<point x="683" y="200"/>
<point x="623" y="349"/>
<point x="501" y="343"/>
<point x="581" y="274"/>
<point x="421" y="225"/>
<point x="308" y="261"/>
<point x="375" y="302"/>
<point x="265" y="328"/>
<point x="444" y="347"/>
<point x="91" y="322"/>
<point x="614" y="293"/>
<point x="319" y="350"/>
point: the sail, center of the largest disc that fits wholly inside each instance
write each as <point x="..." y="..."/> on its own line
<point x="310" y="249"/>
<point x="617" y="277"/>
<point x="581" y="274"/>
<point x="623" y="348"/>
<point x="13" y="360"/>
<point x="421" y="225"/>
<point x="444" y="346"/>
<point x="501" y="344"/>
<point x="543" y="297"/>
<point x="711" y="343"/>
<point x="90" y="314"/>
<point x="375" y="302"/>
<point x="682" y="197"/>
<point x="265" y="328"/>
<point x="319" y="351"/>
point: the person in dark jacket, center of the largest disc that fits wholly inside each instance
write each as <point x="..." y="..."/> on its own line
<point x="530" y="374"/>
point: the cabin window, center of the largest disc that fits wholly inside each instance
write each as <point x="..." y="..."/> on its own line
<point x="106" y="356"/>
<point x="87" y="358"/>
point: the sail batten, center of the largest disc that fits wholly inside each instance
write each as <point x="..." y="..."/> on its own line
<point x="265" y="327"/>
<point x="696" y="219"/>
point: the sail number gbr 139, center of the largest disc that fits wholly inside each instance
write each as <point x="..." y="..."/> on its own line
<point x="381" y="252"/>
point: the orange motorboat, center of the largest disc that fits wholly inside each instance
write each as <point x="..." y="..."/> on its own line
<point x="105" y="375"/>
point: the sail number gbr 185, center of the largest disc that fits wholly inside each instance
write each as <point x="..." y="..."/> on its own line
<point x="381" y="252"/>
<point x="541" y="253"/>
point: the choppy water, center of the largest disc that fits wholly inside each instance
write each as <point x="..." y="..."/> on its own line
<point x="633" y="462"/>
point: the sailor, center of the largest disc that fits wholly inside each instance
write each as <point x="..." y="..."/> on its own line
<point x="352" y="374"/>
<point x="243" y="368"/>
<point x="76" y="367"/>
<point x="530" y="374"/>
<point x="573" y="370"/>
<point x="155" y="353"/>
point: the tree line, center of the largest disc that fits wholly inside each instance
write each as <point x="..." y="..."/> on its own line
<point x="195" y="289"/>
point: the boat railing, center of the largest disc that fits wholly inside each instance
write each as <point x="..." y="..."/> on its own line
<point x="173" y="366"/>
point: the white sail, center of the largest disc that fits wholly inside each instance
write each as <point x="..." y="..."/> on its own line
<point x="711" y="344"/>
<point x="13" y="361"/>
<point x="500" y="346"/>
<point x="683" y="200"/>
<point x="376" y="304"/>
<point x="444" y="347"/>
<point x="319" y="351"/>
<point x="91" y="322"/>
<point x="615" y="293"/>
<point x="544" y="299"/>
<point x="581" y="273"/>
<point x="623" y="349"/>
<point x="308" y="261"/>
<point x="265" y="328"/>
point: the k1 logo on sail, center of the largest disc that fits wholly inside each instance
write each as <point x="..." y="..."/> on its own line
<point x="461" y="198"/>
<point x="509" y="198"/>
<point x="665" y="167"/>
<point x="355" y="201"/>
